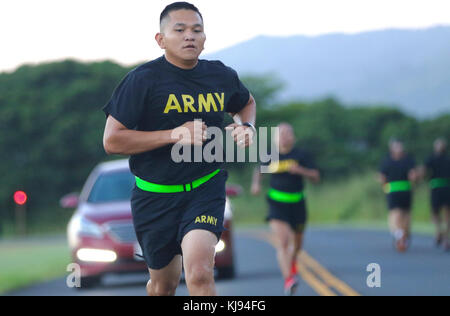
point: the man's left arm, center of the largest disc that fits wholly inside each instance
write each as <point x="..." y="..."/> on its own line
<point x="413" y="174"/>
<point x="243" y="134"/>
<point x="311" y="174"/>
<point x="304" y="166"/>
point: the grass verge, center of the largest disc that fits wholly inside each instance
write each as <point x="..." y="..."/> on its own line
<point x="25" y="262"/>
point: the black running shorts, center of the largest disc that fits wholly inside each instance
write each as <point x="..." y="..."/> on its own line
<point x="440" y="197"/>
<point x="161" y="220"/>
<point x="400" y="200"/>
<point x="295" y="214"/>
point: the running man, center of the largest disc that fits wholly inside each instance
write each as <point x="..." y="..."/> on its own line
<point x="178" y="208"/>
<point x="438" y="167"/>
<point x="398" y="175"/>
<point x="286" y="198"/>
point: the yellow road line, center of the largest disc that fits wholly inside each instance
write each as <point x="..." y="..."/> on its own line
<point x="304" y="262"/>
<point x="329" y="278"/>
<point x="318" y="286"/>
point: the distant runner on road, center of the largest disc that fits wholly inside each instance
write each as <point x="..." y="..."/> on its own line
<point x="398" y="175"/>
<point x="438" y="168"/>
<point x="178" y="207"/>
<point x="287" y="201"/>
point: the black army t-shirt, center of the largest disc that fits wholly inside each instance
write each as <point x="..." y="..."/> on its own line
<point x="160" y="96"/>
<point x="397" y="170"/>
<point x="439" y="166"/>
<point x="281" y="179"/>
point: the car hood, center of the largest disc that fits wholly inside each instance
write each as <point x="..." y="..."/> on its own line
<point x="105" y="212"/>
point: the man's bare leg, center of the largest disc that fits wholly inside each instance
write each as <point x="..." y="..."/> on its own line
<point x="406" y="222"/>
<point x="284" y="244"/>
<point x="198" y="259"/>
<point x="164" y="282"/>
<point x="298" y="244"/>
<point x="399" y="225"/>
<point x="394" y="221"/>
<point x="447" y="228"/>
<point x="436" y="219"/>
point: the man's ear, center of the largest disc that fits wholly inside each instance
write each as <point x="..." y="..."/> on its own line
<point x="159" y="37"/>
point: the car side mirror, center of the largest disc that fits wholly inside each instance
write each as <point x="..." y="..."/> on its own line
<point x="233" y="190"/>
<point x="69" y="200"/>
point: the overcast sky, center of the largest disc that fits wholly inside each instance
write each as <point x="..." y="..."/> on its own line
<point x="32" y="31"/>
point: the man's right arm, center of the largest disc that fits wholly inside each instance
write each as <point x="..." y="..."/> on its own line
<point x="425" y="169"/>
<point x="256" y="181"/>
<point x="382" y="173"/>
<point x="382" y="179"/>
<point x="413" y="173"/>
<point x="118" y="139"/>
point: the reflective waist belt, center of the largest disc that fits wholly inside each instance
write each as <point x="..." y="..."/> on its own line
<point x="161" y="188"/>
<point x="398" y="186"/>
<point x="440" y="183"/>
<point x="285" y="197"/>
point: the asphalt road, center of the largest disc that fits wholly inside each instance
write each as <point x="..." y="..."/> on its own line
<point x="334" y="263"/>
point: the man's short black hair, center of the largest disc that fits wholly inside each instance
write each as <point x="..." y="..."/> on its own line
<point x="178" y="6"/>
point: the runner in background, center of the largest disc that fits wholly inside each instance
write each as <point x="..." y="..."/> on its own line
<point x="286" y="199"/>
<point x="398" y="175"/>
<point x="437" y="167"/>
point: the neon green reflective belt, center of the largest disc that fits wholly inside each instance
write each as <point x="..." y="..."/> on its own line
<point x="440" y="183"/>
<point x="161" y="188"/>
<point x="398" y="186"/>
<point x="285" y="197"/>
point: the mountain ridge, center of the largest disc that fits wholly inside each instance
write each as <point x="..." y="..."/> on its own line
<point x="409" y="68"/>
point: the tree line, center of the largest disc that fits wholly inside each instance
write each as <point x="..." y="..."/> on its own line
<point x="51" y="128"/>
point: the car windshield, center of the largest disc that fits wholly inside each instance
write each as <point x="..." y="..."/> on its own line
<point x="112" y="186"/>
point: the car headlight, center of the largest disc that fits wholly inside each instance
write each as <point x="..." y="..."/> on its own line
<point x="96" y="255"/>
<point x="81" y="226"/>
<point x="228" y="210"/>
<point x="220" y="246"/>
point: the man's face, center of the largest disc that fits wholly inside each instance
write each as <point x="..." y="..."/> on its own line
<point x="440" y="146"/>
<point x="397" y="149"/>
<point x="286" y="136"/>
<point x="182" y="35"/>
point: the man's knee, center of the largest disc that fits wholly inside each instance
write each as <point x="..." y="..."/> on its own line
<point x="200" y="273"/>
<point x="284" y="244"/>
<point x="285" y="240"/>
<point x="199" y="251"/>
<point x="161" y="288"/>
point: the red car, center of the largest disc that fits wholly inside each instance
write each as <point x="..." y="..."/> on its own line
<point x="101" y="235"/>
